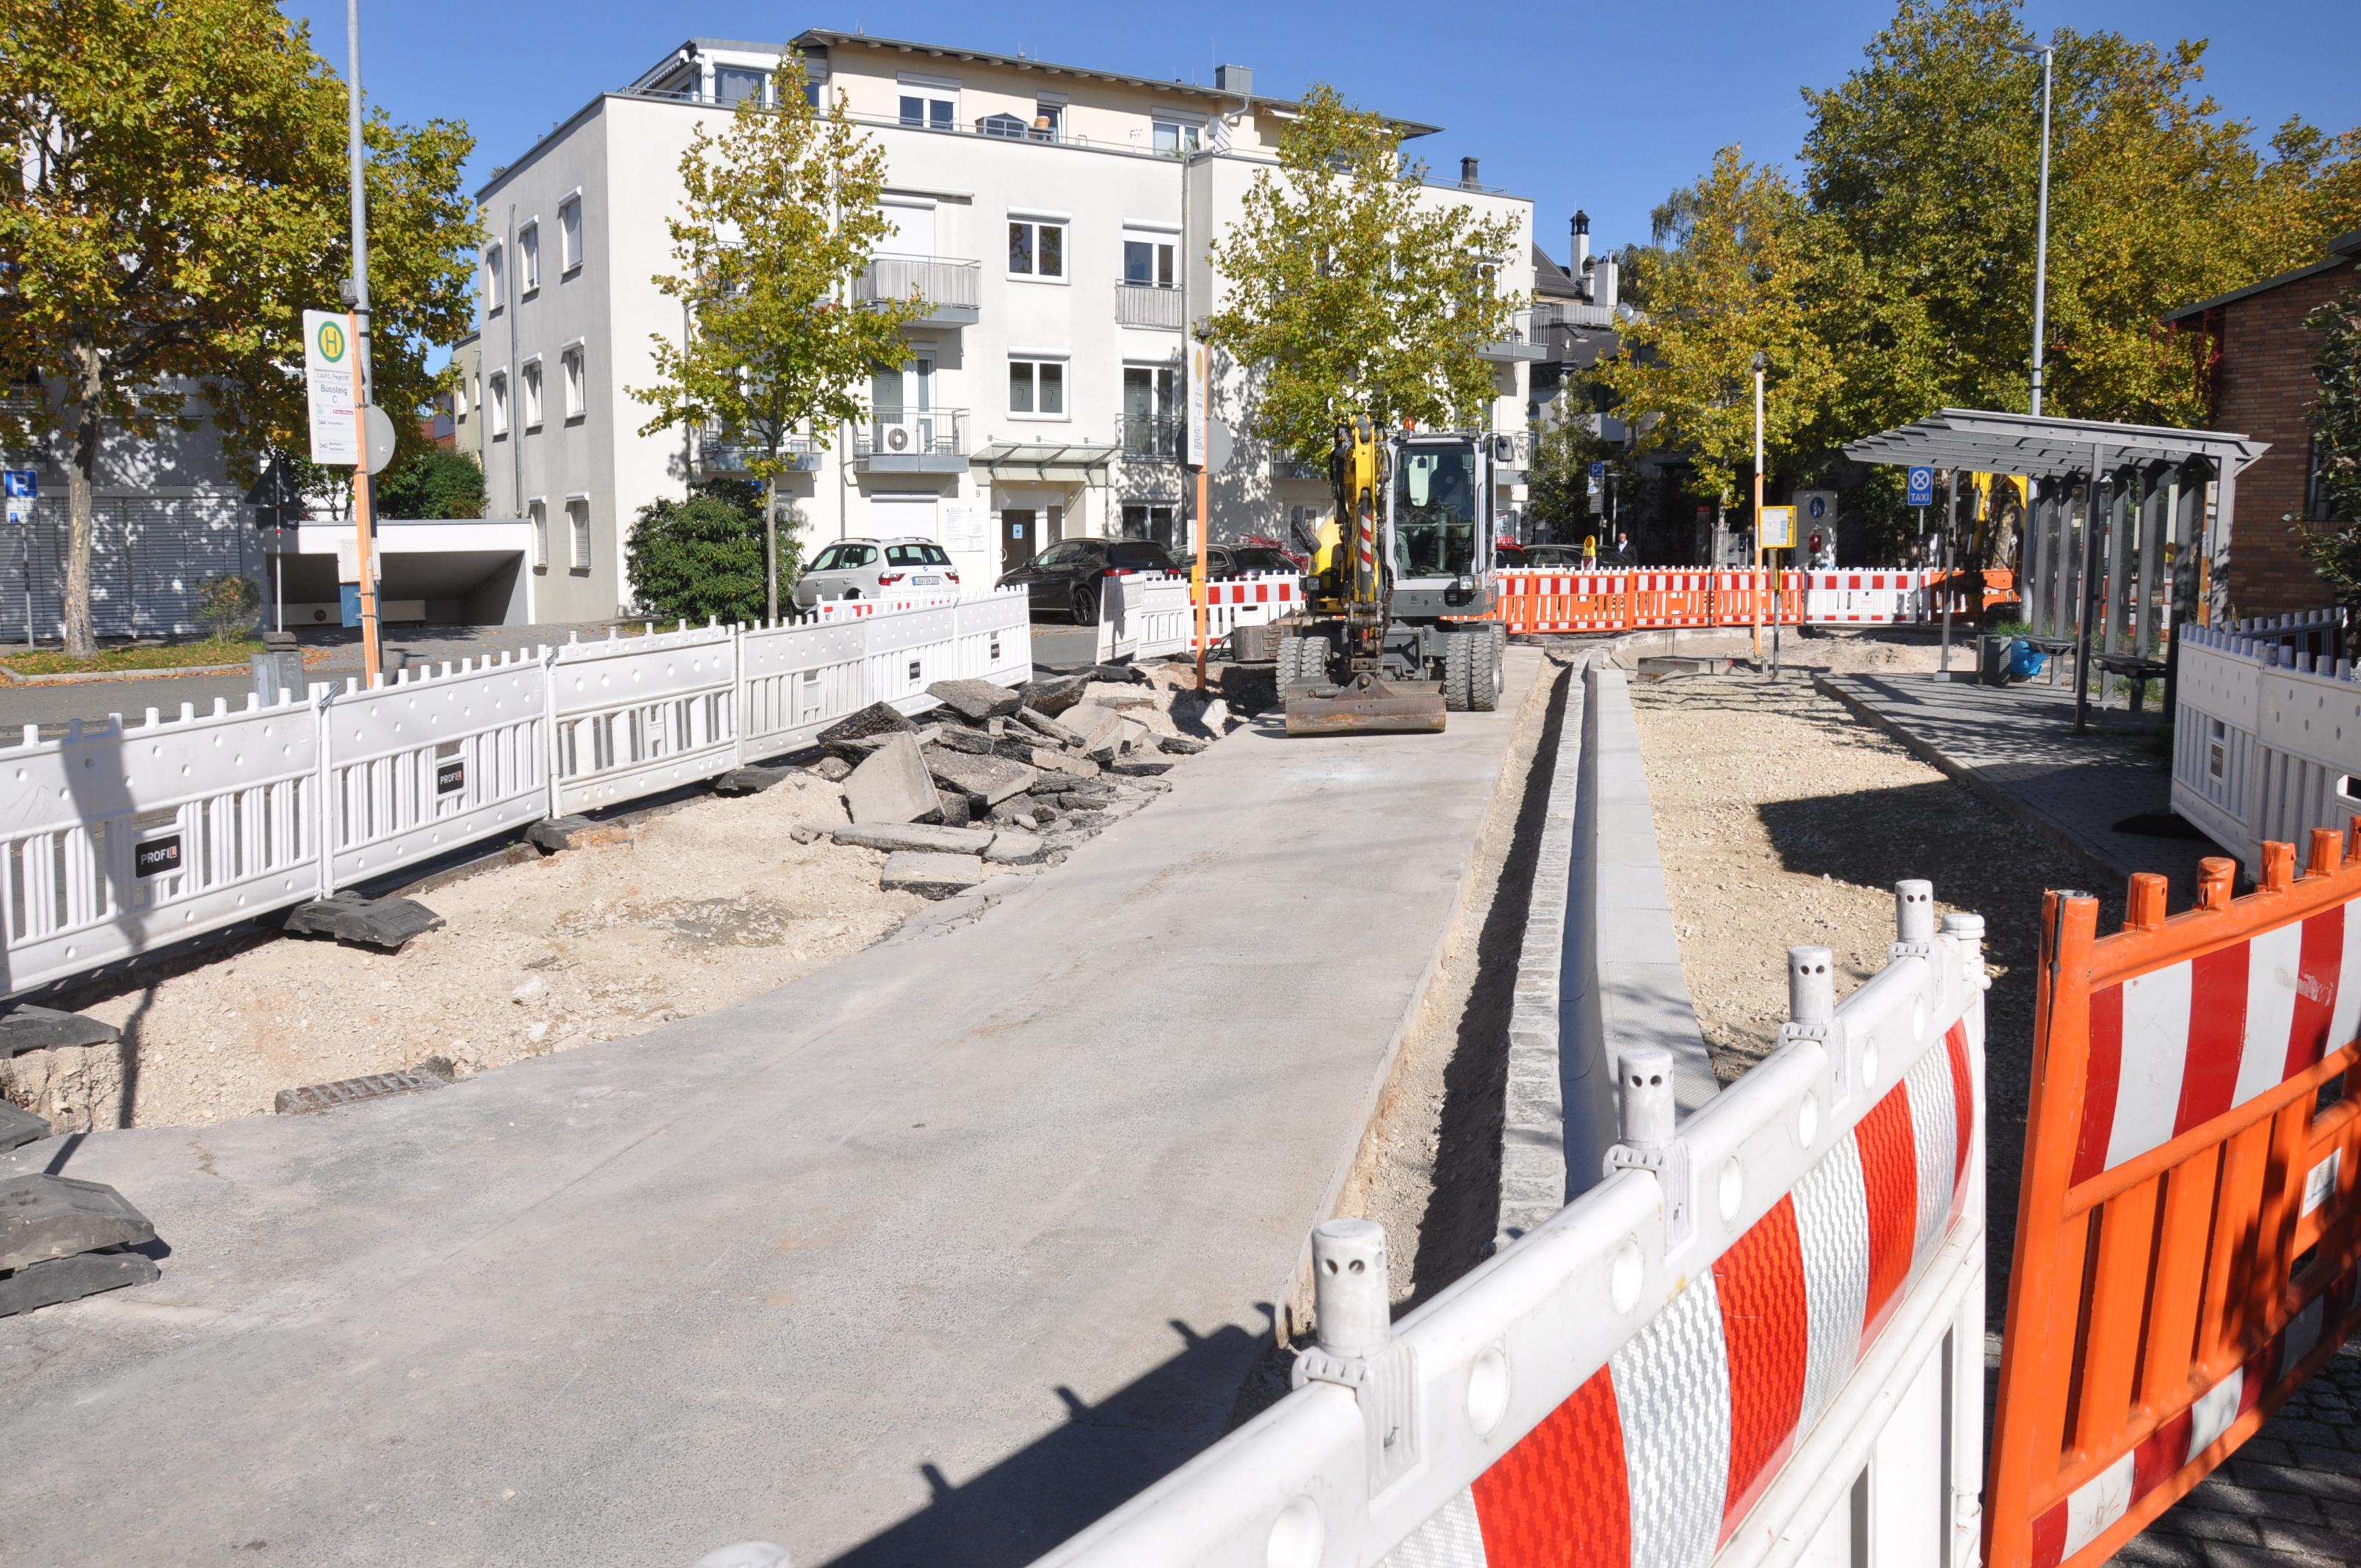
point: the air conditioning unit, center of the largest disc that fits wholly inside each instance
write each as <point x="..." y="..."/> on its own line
<point x="897" y="438"/>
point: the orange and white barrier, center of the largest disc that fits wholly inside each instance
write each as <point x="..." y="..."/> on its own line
<point x="1863" y="598"/>
<point x="1657" y="598"/>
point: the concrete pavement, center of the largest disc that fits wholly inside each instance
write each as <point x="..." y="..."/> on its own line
<point x="934" y="1256"/>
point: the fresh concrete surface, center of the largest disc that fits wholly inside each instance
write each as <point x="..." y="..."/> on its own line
<point x="932" y="1257"/>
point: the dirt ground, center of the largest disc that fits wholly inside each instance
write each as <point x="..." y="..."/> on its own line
<point x="702" y="906"/>
<point x="1783" y="820"/>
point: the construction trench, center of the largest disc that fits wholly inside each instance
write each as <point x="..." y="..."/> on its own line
<point x="291" y="1285"/>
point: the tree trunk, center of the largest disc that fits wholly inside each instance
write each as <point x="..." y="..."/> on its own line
<point x="80" y="477"/>
<point x="770" y="549"/>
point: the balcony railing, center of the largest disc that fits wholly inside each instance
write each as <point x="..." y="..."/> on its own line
<point x="721" y="454"/>
<point x="1518" y="342"/>
<point x="933" y="441"/>
<point x="1285" y="466"/>
<point x="1156" y="439"/>
<point x="1147" y="304"/>
<point x="948" y="291"/>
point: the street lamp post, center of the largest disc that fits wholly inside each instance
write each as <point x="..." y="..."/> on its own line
<point x="357" y="304"/>
<point x="1758" y="525"/>
<point x="2041" y="229"/>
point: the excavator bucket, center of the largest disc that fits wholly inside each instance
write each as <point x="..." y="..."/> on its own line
<point x="1365" y="705"/>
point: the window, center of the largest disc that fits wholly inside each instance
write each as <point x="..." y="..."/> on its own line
<point x="493" y="297"/>
<point x="577" y="518"/>
<point x="1434" y="511"/>
<point x="1151" y="410"/>
<point x="536" y="510"/>
<point x="500" y="403"/>
<point x="1036" y="247"/>
<point x="734" y="83"/>
<point x="459" y="399"/>
<point x="532" y="383"/>
<point x="1049" y="120"/>
<point x="569" y="236"/>
<point x="1037" y="388"/>
<point x="1142" y="520"/>
<point x="1149" y="257"/>
<point x="570" y="369"/>
<point x="528" y="259"/>
<point x="1173" y="138"/>
<point x="827" y="560"/>
<point x="475" y="389"/>
<point x="928" y="108"/>
<point x="915" y="555"/>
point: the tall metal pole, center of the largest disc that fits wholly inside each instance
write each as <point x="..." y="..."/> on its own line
<point x="2041" y="237"/>
<point x="372" y="660"/>
<point x="1758" y="515"/>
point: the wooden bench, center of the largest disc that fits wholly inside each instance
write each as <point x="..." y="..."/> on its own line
<point x="2133" y="668"/>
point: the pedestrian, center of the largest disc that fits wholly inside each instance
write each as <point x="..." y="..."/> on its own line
<point x="1623" y="556"/>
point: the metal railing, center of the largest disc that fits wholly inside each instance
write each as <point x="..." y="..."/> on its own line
<point x="936" y="281"/>
<point x="719" y="453"/>
<point x="932" y="433"/>
<point x="1147" y="304"/>
<point x="1155" y="438"/>
<point x="1285" y="466"/>
<point x="1517" y="339"/>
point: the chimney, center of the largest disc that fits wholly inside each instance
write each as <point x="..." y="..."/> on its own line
<point x="1604" y="283"/>
<point x="1467" y="180"/>
<point x="1237" y="78"/>
<point x="1581" y="241"/>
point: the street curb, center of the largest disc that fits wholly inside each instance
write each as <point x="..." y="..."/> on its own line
<point x="172" y="671"/>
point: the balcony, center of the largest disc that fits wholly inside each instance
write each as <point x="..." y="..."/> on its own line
<point x="721" y="455"/>
<point x="1147" y="304"/>
<point x="947" y="291"/>
<point x="1518" y="342"/>
<point x="1159" y="439"/>
<point x="1285" y="467"/>
<point x="932" y="441"/>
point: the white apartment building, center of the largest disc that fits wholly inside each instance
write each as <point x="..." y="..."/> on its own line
<point x="1056" y="219"/>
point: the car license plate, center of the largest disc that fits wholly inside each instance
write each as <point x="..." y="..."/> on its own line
<point x="926" y="581"/>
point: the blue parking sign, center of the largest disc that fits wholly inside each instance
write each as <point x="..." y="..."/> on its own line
<point x="20" y="484"/>
<point x="1922" y="488"/>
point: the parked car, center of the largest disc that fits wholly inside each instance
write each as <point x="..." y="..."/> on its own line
<point x="1241" y="560"/>
<point x="1551" y="557"/>
<point x="1066" y="577"/>
<point x="874" y="568"/>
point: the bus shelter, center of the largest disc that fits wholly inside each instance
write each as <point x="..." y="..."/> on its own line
<point x="2126" y="528"/>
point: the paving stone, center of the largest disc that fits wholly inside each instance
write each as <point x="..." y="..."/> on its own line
<point x="385" y="924"/>
<point x="1179" y="745"/>
<point x="835" y="770"/>
<point x="1098" y="731"/>
<point x="42" y="1217"/>
<point x="1052" y="696"/>
<point x="930" y="874"/>
<point x="1139" y="767"/>
<point x="72" y="1278"/>
<point x="27" y="1028"/>
<point x="1120" y="697"/>
<point x="916" y="836"/>
<point x="975" y="701"/>
<point x="748" y="780"/>
<point x="958" y="809"/>
<point x="1042" y="724"/>
<point x="553" y="835"/>
<point x="860" y="747"/>
<point x="892" y="787"/>
<point x="879" y="719"/>
<point x="19" y="1126"/>
<point x="1119" y="674"/>
<point x="1137" y="737"/>
<point x="1012" y="848"/>
<point x="986" y="781"/>
<point x="959" y="737"/>
<point x="1050" y="759"/>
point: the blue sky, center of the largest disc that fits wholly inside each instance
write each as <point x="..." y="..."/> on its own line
<point x="1606" y="107"/>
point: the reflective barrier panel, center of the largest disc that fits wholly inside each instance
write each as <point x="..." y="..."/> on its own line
<point x="2267" y="731"/>
<point x="2186" y="1230"/>
<point x="637" y="716"/>
<point x="1760" y="1339"/>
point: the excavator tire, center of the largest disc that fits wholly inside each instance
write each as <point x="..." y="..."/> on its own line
<point x="1484" y="671"/>
<point x="1458" y="670"/>
<point x="1302" y="659"/>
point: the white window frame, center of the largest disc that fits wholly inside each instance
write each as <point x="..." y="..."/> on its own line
<point x="529" y="385"/>
<point x="459" y="399"/>
<point x="569" y="235"/>
<point x="927" y="90"/>
<point x="1167" y="236"/>
<point x="494" y="282"/>
<point x="577" y="533"/>
<point x="1188" y="133"/>
<point x="536" y="512"/>
<point x="573" y="391"/>
<point x="499" y="380"/>
<point x="1034" y="359"/>
<point x="529" y="258"/>
<point x="1037" y="221"/>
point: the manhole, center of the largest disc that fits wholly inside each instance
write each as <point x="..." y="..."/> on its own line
<point x="353" y="1091"/>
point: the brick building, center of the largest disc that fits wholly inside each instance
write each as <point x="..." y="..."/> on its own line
<point x="2261" y="385"/>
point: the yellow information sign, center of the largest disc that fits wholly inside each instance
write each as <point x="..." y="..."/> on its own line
<point x="1776" y="530"/>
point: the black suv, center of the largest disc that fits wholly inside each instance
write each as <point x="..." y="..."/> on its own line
<point x="1239" y="560"/>
<point x="1065" y="578"/>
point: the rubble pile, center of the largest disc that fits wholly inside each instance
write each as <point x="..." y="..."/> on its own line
<point x="996" y="778"/>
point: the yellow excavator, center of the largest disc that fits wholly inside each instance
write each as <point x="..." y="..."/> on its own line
<point x="1394" y="636"/>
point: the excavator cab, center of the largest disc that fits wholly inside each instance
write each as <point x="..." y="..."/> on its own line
<point x="1396" y="634"/>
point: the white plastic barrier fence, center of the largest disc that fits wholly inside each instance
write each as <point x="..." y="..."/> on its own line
<point x="2266" y="734"/>
<point x="118" y="839"/>
<point x="1863" y="598"/>
<point x="1760" y="1340"/>
<point x="1142" y="614"/>
<point x="416" y="769"/>
<point x="122" y="837"/>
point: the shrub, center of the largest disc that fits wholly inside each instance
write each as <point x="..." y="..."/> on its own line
<point x="703" y="557"/>
<point x="226" y="605"/>
<point x="433" y="482"/>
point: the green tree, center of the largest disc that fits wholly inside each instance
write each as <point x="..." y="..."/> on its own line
<point x="2334" y="545"/>
<point x="1354" y="292"/>
<point x="431" y="482"/>
<point x="1557" y="492"/>
<point x="172" y="193"/>
<point x="780" y="218"/>
<point x="1738" y="267"/>
<point x="704" y="557"/>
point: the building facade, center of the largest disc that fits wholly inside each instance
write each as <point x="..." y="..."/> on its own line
<point x="2260" y="382"/>
<point x="1056" y="220"/>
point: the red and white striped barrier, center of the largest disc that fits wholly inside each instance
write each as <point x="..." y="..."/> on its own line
<point x="1863" y="598"/>
<point x="1757" y="1317"/>
<point x="1655" y="599"/>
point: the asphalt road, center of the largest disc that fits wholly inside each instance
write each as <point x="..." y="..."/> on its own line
<point x="934" y="1256"/>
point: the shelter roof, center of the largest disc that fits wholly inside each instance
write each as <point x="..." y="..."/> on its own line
<point x="1986" y="442"/>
